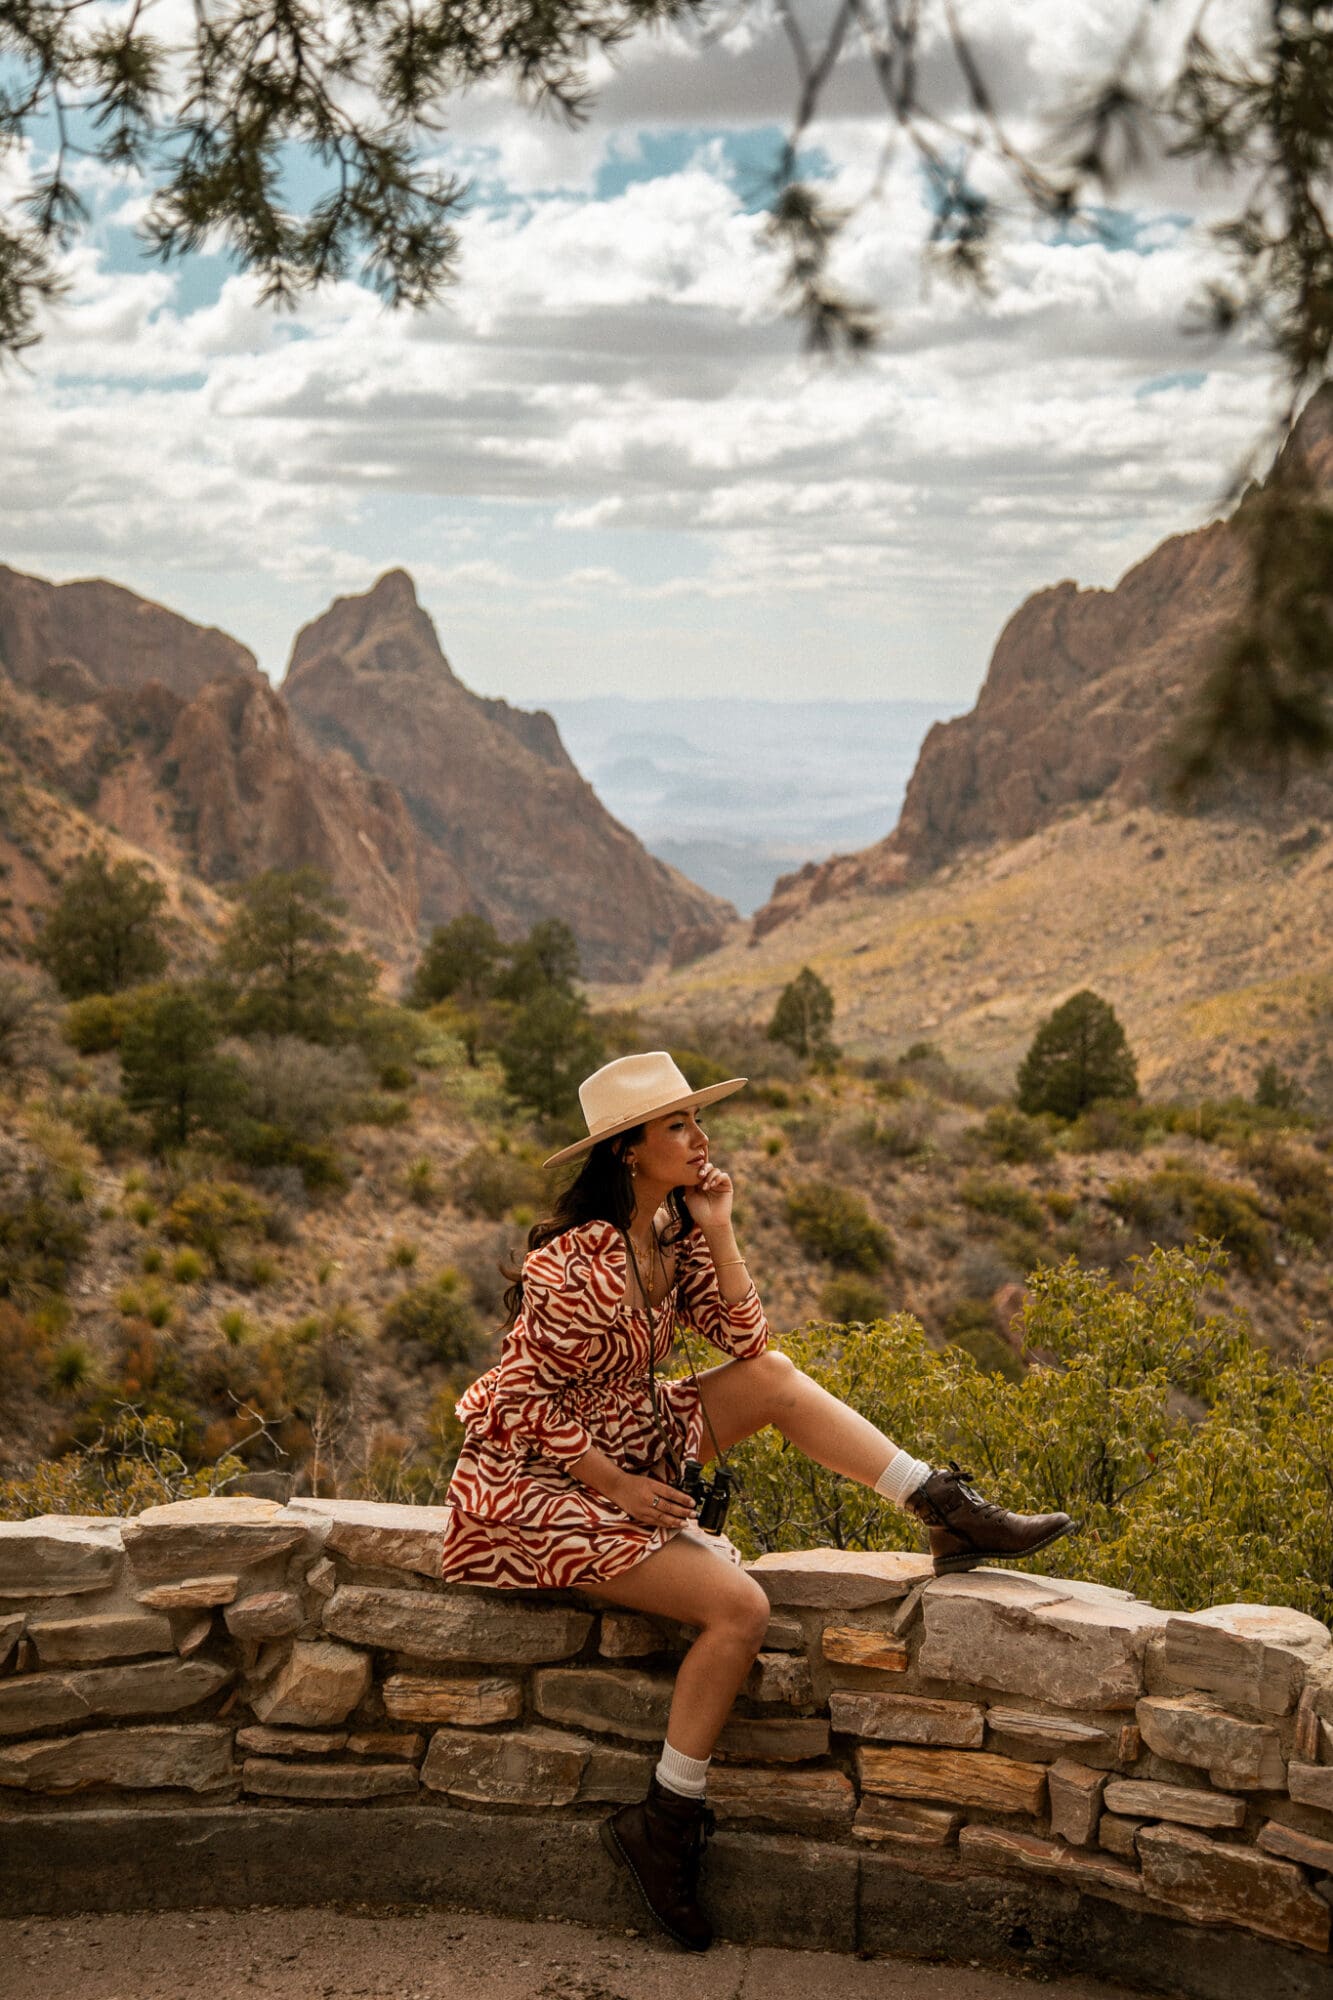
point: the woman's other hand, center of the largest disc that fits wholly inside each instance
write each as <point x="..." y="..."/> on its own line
<point x="653" y="1502"/>
<point x="709" y="1200"/>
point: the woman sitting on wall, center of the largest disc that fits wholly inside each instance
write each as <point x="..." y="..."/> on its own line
<point x="572" y="1467"/>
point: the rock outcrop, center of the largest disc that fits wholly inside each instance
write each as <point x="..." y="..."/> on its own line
<point x="504" y="824"/>
<point x="1025" y="1769"/>
<point x="1083" y="690"/>
<point x="169" y="734"/>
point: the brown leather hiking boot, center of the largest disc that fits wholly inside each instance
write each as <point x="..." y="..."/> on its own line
<point x="661" y="1842"/>
<point x="965" y="1529"/>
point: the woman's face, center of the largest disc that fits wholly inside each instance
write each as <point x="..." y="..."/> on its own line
<point x="671" y="1150"/>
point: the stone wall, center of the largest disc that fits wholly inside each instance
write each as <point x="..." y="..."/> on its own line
<point x="991" y="1764"/>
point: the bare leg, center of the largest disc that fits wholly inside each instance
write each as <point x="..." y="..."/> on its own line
<point x="688" y="1582"/>
<point x="741" y="1397"/>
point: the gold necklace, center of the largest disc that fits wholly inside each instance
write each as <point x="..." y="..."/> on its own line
<point x="652" y="1254"/>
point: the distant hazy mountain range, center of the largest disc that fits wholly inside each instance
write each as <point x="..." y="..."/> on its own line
<point x="735" y="793"/>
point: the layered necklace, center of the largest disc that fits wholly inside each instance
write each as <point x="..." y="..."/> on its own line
<point x="648" y="1263"/>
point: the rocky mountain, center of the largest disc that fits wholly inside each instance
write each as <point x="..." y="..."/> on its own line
<point x="503" y="823"/>
<point x="169" y="735"/>
<point x="1083" y="689"/>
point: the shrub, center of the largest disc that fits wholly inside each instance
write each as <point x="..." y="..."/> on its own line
<point x="1274" y="1090"/>
<point x="403" y="1255"/>
<point x="133" y="1461"/>
<point x="422" y="1186"/>
<point x="1003" y="1201"/>
<point x="213" y="1216"/>
<point x="547" y="1049"/>
<point x="1112" y="1125"/>
<point x="95" y="1025"/>
<point x="42" y="1234"/>
<point x="187" y="1267"/>
<point x="1301" y="1181"/>
<point x="109" y="1124"/>
<point x="1012" y="1137"/>
<point x="72" y="1367"/>
<point x="285" y="964"/>
<point x="170" y="1067"/>
<point x="1078" y="1054"/>
<point x="902" y="1135"/>
<point x="489" y="1181"/>
<point x="970" y="1324"/>
<point x="460" y="961"/>
<point x="849" y="1300"/>
<point x="438" y="1317"/>
<point x="1237" y="1506"/>
<point x="833" y="1223"/>
<point x="1179" y="1202"/>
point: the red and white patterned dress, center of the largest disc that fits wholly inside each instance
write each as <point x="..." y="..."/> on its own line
<point x="573" y="1373"/>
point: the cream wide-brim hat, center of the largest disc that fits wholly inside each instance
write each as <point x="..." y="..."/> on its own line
<point x="630" y="1091"/>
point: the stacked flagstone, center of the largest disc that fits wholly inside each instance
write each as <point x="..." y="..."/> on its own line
<point x="218" y="1661"/>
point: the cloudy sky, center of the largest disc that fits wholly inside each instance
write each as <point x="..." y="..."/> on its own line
<point x="604" y="458"/>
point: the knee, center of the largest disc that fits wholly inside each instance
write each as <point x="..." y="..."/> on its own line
<point x="745" y="1615"/>
<point x="778" y="1376"/>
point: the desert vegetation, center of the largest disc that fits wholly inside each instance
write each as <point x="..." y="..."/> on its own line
<point x="254" y="1219"/>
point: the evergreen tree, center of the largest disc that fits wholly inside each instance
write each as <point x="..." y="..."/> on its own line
<point x="804" y="1015"/>
<point x="170" y="1066"/>
<point x="548" y="958"/>
<point x="104" y="931"/>
<point x="548" y="1048"/>
<point x="1078" y="1054"/>
<point x="459" y="962"/>
<point x="284" y="964"/>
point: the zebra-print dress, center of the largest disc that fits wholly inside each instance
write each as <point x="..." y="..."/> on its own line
<point x="573" y="1373"/>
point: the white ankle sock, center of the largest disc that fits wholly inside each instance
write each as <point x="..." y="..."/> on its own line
<point x="901" y="1477"/>
<point x="687" y="1776"/>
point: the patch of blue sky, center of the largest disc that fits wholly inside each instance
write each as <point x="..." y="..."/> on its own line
<point x="1123" y="229"/>
<point x="749" y="155"/>
<point x="1180" y="378"/>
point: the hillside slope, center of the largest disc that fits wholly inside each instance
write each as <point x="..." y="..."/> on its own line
<point x="1082" y="694"/>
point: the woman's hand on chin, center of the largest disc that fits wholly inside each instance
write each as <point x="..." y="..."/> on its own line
<point x="709" y="1200"/>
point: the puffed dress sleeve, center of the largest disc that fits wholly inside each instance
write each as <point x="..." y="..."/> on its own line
<point x="572" y="1289"/>
<point x="739" y="1329"/>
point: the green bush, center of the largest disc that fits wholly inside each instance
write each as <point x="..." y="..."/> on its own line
<point x="214" y="1216"/>
<point x="1235" y="1506"/>
<point x="1003" y="1201"/>
<point x="489" y="1181"/>
<point x="107" y="1122"/>
<point x="95" y="1025"/>
<point x="849" y="1299"/>
<point x="970" y="1324"/>
<point x="43" y="1232"/>
<point x="833" y="1223"/>
<point x="1177" y="1203"/>
<point x="1112" y="1125"/>
<point x="904" y="1134"/>
<point x="438" y="1317"/>
<point x="1012" y="1137"/>
<point x="1301" y="1181"/>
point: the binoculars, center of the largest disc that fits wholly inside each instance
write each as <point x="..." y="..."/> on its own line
<point x="711" y="1497"/>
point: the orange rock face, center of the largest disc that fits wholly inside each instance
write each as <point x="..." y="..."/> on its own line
<point x="1084" y="688"/>
<point x="503" y="823"/>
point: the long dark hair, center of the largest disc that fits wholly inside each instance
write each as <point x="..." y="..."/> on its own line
<point x="601" y="1191"/>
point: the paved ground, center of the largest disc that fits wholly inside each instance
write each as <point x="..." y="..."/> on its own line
<point x="337" y="1955"/>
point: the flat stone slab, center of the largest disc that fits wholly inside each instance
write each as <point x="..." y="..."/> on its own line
<point x="109" y="1635"/>
<point x="264" y="1742"/>
<point x="524" y="1767"/>
<point x="1059" y="1736"/>
<point x="1145" y="1799"/>
<point x="860" y="1646"/>
<point x="1003" y="1847"/>
<point x="469" y="1702"/>
<point x="192" y="1593"/>
<point x="1311" y="1785"/>
<point x="1079" y="1649"/>
<point x="58" y="1555"/>
<point x="148" y="1687"/>
<point x="1252" y="1656"/>
<point x="273" y="1778"/>
<point x="378" y="1534"/>
<point x="456" y="1625"/>
<point x="1215" y="1882"/>
<point x="1189" y="1729"/>
<point x="954" y="1777"/>
<point x="1290" y="1844"/>
<point x="266" y="1614"/>
<point x="192" y="1757"/>
<point x="905" y="1718"/>
<point x="905" y="1823"/>
<point x="195" y="1537"/>
<point x="794" y="1801"/>
<point x="838" y="1579"/>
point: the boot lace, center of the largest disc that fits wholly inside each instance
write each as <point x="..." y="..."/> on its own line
<point x="986" y="1509"/>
